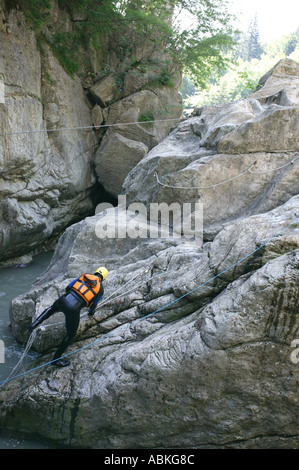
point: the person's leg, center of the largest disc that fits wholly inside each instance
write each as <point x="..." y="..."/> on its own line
<point x="72" y="319"/>
<point x="45" y="315"/>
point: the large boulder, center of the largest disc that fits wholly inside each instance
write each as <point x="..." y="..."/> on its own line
<point x="150" y="115"/>
<point x="212" y="156"/>
<point x="104" y="90"/>
<point x="274" y="129"/>
<point x="280" y="84"/>
<point x="117" y="158"/>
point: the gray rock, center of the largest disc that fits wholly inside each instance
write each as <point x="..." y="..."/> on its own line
<point x="220" y="355"/>
<point x="220" y="376"/>
<point x="97" y="115"/>
<point x="104" y="90"/>
<point x="116" y="158"/>
<point x="49" y="180"/>
<point x="207" y="157"/>
<point x="281" y="82"/>
<point x="273" y="131"/>
<point x="123" y="146"/>
<point x="46" y="178"/>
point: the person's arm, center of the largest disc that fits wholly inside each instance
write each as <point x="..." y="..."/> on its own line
<point x="92" y="308"/>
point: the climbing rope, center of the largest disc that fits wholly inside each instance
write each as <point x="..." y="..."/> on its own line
<point x="204" y="187"/>
<point x="212" y="186"/>
<point x="19" y="365"/>
<point x="122" y="287"/>
<point x="275" y="169"/>
<point x="133" y="288"/>
<point x="84" y="128"/>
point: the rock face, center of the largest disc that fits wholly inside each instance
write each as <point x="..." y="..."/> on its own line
<point x="192" y="345"/>
<point x="221" y="143"/>
<point x="124" y="146"/>
<point x="48" y="178"/>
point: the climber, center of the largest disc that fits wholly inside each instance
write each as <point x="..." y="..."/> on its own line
<point x="84" y="291"/>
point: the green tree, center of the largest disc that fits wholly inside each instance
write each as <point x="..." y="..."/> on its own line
<point x="248" y="44"/>
<point x="37" y="12"/>
<point x="295" y="54"/>
<point x="243" y="76"/>
<point x="201" y="49"/>
<point x="293" y="40"/>
<point x="137" y="29"/>
<point x="188" y="88"/>
<point x="255" y="49"/>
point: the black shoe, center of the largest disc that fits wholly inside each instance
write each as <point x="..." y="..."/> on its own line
<point x="61" y="363"/>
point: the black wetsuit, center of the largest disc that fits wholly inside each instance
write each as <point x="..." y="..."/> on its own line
<point x="71" y="307"/>
<point x="70" y="304"/>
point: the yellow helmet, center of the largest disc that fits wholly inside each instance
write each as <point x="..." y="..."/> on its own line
<point x="102" y="271"/>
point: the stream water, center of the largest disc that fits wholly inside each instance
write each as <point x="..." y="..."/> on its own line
<point x="13" y="282"/>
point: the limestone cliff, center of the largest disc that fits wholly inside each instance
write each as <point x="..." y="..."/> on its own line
<point x="46" y="178"/>
<point x="192" y="344"/>
<point x="50" y="178"/>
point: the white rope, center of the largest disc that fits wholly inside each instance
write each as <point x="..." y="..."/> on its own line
<point x="34" y="332"/>
<point x="20" y="363"/>
<point x="36" y="131"/>
<point x="204" y="187"/>
<point x="212" y="186"/>
<point x="122" y="287"/>
<point x="275" y="169"/>
<point x="133" y="288"/>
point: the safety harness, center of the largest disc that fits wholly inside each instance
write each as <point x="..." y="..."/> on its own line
<point x="87" y="286"/>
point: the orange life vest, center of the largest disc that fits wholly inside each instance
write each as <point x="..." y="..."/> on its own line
<point x="87" y="286"/>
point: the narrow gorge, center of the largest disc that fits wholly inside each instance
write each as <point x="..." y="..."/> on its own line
<point x="192" y="344"/>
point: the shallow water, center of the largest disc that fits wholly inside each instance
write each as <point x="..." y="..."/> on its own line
<point x="13" y="282"/>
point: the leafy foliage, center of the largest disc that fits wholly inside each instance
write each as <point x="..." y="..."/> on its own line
<point x="243" y="76"/>
<point x="66" y="47"/>
<point x="37" y="12"/>
<point x="146" y="117"/>
<point x="202" y="48"/>
<point x="137" y="29"/>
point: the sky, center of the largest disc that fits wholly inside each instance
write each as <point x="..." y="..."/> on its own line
<point x="275" y="18"/>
